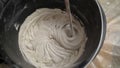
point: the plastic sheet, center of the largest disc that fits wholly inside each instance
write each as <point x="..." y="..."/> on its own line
<point x="109" y="56"/>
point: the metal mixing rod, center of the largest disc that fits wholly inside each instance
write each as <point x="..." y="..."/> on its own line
<point x="67" y="4"/>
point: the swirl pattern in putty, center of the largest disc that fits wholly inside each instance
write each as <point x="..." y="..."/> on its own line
<point x="45" y="41"/>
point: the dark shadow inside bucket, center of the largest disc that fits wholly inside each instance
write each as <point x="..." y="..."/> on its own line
<point x="16" y="11"/>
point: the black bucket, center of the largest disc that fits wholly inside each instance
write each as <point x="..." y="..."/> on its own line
<point x="14" y="13"/>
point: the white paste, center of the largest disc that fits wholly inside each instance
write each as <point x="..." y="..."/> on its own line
<point x="44" y="40"/>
